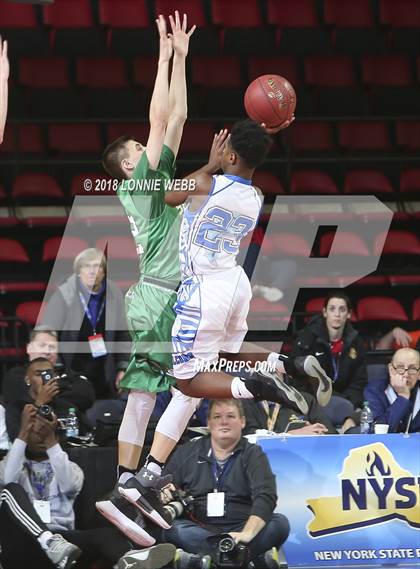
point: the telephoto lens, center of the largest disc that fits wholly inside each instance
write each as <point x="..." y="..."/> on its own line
<point x="46" y="412"/>
<point x="173" y="510"/>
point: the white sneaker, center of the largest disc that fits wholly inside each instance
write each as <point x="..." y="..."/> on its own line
<point x="269" y="293"/>
<point x="61" y="552"/>
<point x="151" y="558"/>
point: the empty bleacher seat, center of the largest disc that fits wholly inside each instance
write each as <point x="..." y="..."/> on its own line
<point x="18" y="23"/>
<point x="286" y="66"/>
<point x="129" y="30"/>
<point x="403" y="17"/>
<point x="312" y="182"/>
<point x="342" y="243"/>
<point x="197" y="137"/>
<point x="311" y="136"/>
<point x="369" y="135"/>
<point x="29" y="311"/>
<point x="44" y="72"/>
<point x="397" y="243"/>
<point x="139" y="130"/>
<point x="373" y="308"/>
<point x="416" y="310"/>
<point x="267" y="182"/>
<point x="408" y="135"/>
<point x="23" y="138"/>
<point x="76" y="138"/>
<point x="410" y="180"/>
<point x="367" y="182"/>
<point x="34" y="186"/>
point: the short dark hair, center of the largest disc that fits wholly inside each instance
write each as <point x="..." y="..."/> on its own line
<point x="250" y="141"/>
<point x="36" y="361"/>
<point x="42" y="329"/>
<point x="234" y="402"/>
<point x="113" y="154"/>
<point x="338" y="294"/>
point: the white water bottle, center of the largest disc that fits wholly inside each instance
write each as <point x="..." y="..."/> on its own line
<point x="366" y="419"/>
<point x="72" y="423"/>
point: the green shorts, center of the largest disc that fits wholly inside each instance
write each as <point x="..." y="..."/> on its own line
<point x="150" y="316"/>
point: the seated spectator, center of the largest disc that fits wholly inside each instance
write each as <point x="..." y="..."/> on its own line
<point x="273" y="417"/>
<point x="24" y="385"/>
<point x="245" y="499"/>
<point x="88" y="312"/>
<point x="395" y="400"/>
<point x="40" y="487"/>
<point x="4" y="439"/>
<point x="331" y="338"/>
<point x="399" y="338"/>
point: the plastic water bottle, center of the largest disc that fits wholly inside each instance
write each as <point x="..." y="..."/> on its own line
<point x="366" y="419"/>
<point x="72" y="423"/>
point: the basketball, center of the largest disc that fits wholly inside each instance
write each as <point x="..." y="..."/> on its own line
<point x="270" y="99"/>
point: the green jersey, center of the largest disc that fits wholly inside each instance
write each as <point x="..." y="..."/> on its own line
<point x="155" y="226"/>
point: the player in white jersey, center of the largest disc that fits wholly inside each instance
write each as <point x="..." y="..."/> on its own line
<point x="213" y="299"/>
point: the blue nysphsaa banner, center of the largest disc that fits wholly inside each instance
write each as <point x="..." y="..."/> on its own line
<point x="350" y="500"/>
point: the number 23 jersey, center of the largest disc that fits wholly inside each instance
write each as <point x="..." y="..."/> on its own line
<point x="210" y="236"/>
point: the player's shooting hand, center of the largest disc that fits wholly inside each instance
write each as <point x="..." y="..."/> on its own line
<point x="274" y="129"/>
<point x="165" y="42"/>
<point x="4" y="60"/>
<point x="180" y="37"/>
<point x="216" y="150"/>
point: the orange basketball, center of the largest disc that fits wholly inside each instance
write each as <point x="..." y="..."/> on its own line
<point x="270" y="99"/>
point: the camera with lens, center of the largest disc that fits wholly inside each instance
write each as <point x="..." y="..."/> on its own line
<point x="226" y="553"/>
<point x="181" y="503"/>
<point x="46" y="412"/>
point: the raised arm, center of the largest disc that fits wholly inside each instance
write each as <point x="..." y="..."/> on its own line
<point x="159" y="103"/>
<point x="178" y="86"/>
<point x="4" y="76"/>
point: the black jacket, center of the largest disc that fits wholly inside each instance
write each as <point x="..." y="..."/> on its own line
<point x="352" y="373"/>
<point x="249" y="484"/>
<point x="256" y="417"/>
<point x="75" y="391"/>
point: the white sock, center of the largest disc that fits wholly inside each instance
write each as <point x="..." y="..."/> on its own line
<point x="44" y="538"/>
<point x="124" y="477"/>
<point x="273" y="358"/>
<point x="155" y="468"/>
<point x="238" y="389"/>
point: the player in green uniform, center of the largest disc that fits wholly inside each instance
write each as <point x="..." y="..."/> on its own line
<point x="155" y="228"/>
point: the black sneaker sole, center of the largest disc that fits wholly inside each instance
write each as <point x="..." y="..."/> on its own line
<point x="314" y="370"/>
<point x="158" y="556"/>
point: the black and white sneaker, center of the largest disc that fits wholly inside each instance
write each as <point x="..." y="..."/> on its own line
<point x="269" y="387"/>
<point x="185" y="560"/>
<point x="61" y="552"/>
<point x="310" y="367"/>
<point x="126" y="518"/>
<point x="151" y="558"/>
<point x="142" y="490"/>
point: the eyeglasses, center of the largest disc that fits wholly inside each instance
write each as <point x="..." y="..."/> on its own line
<point x="403" y="369"/>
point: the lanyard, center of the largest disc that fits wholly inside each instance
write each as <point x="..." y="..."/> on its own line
<point x="271" y="417"/>
<point x="335" y="365"/>
<point x="220" y="473"/>
<point x="88" y="312"/>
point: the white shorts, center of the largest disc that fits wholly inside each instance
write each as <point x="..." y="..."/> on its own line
<point x="211" y="317"/>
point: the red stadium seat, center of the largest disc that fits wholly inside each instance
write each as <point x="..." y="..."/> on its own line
<point x="267" y="182"/>
<point x="124" y="13"/>
<point x="23" y="138"/>
<point x="380" y="308"/>
<point x="286" y="66"/>
<point x="19" y="26"/>
<point x="30" y="311"/>
<point x="372" y="135"/>
<point x="401" y="14"/>
<point x="34" y="186"/>
<point x="348" y="13"/>
<point x="291" y="244"/>
<point x="345" y="243"/>
<point x="397" y="243"/>
<point x="69" y="14"/>
<point x="69" y="247"/>
<point x="44" y="72"/>
<point x="408" y="135"/>
<point x="314" y="136"/>
<point x="144" y="69"/>
<point x="12" y="251"/>
<point x="193" y="9"/>
<point x="416" y="310"/>
<point x="100" y="72"/>
<point x="315" y="305"/>
<point x="335" y="71"/>
<point x="75" y="138"/>
<point x="17" y="16"/>
<point x="292" y="14"/>
<point x="391" y="70"/>
<point x="410" y="180"/>
<point x="312" y="182"/>
<point x="236" y="13"/>
<point x="140" y="131"/>
<point x="197" y="137"/>
<point x="367" y="182"/>
<point x="224" y="71"/>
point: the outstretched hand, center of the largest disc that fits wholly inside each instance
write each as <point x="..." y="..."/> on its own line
<point x="165" y="42"/>
<point x="180" y="37"/>
<point x="217" y="148"/>
<point x="274" y="129"/>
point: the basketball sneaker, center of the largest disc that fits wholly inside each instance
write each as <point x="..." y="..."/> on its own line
<point x="270" y="387"/>
<point x="126" y="518"/>
<point x="151" y="558"/>
<point x="184" y="560"/>
<point x="310" y="367"/>
<point x="61" y="552"/>
<point x="142" y="490"/>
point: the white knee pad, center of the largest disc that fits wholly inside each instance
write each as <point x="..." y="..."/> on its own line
<point x="137" y="413"/>
<point x="177" y="414"/>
